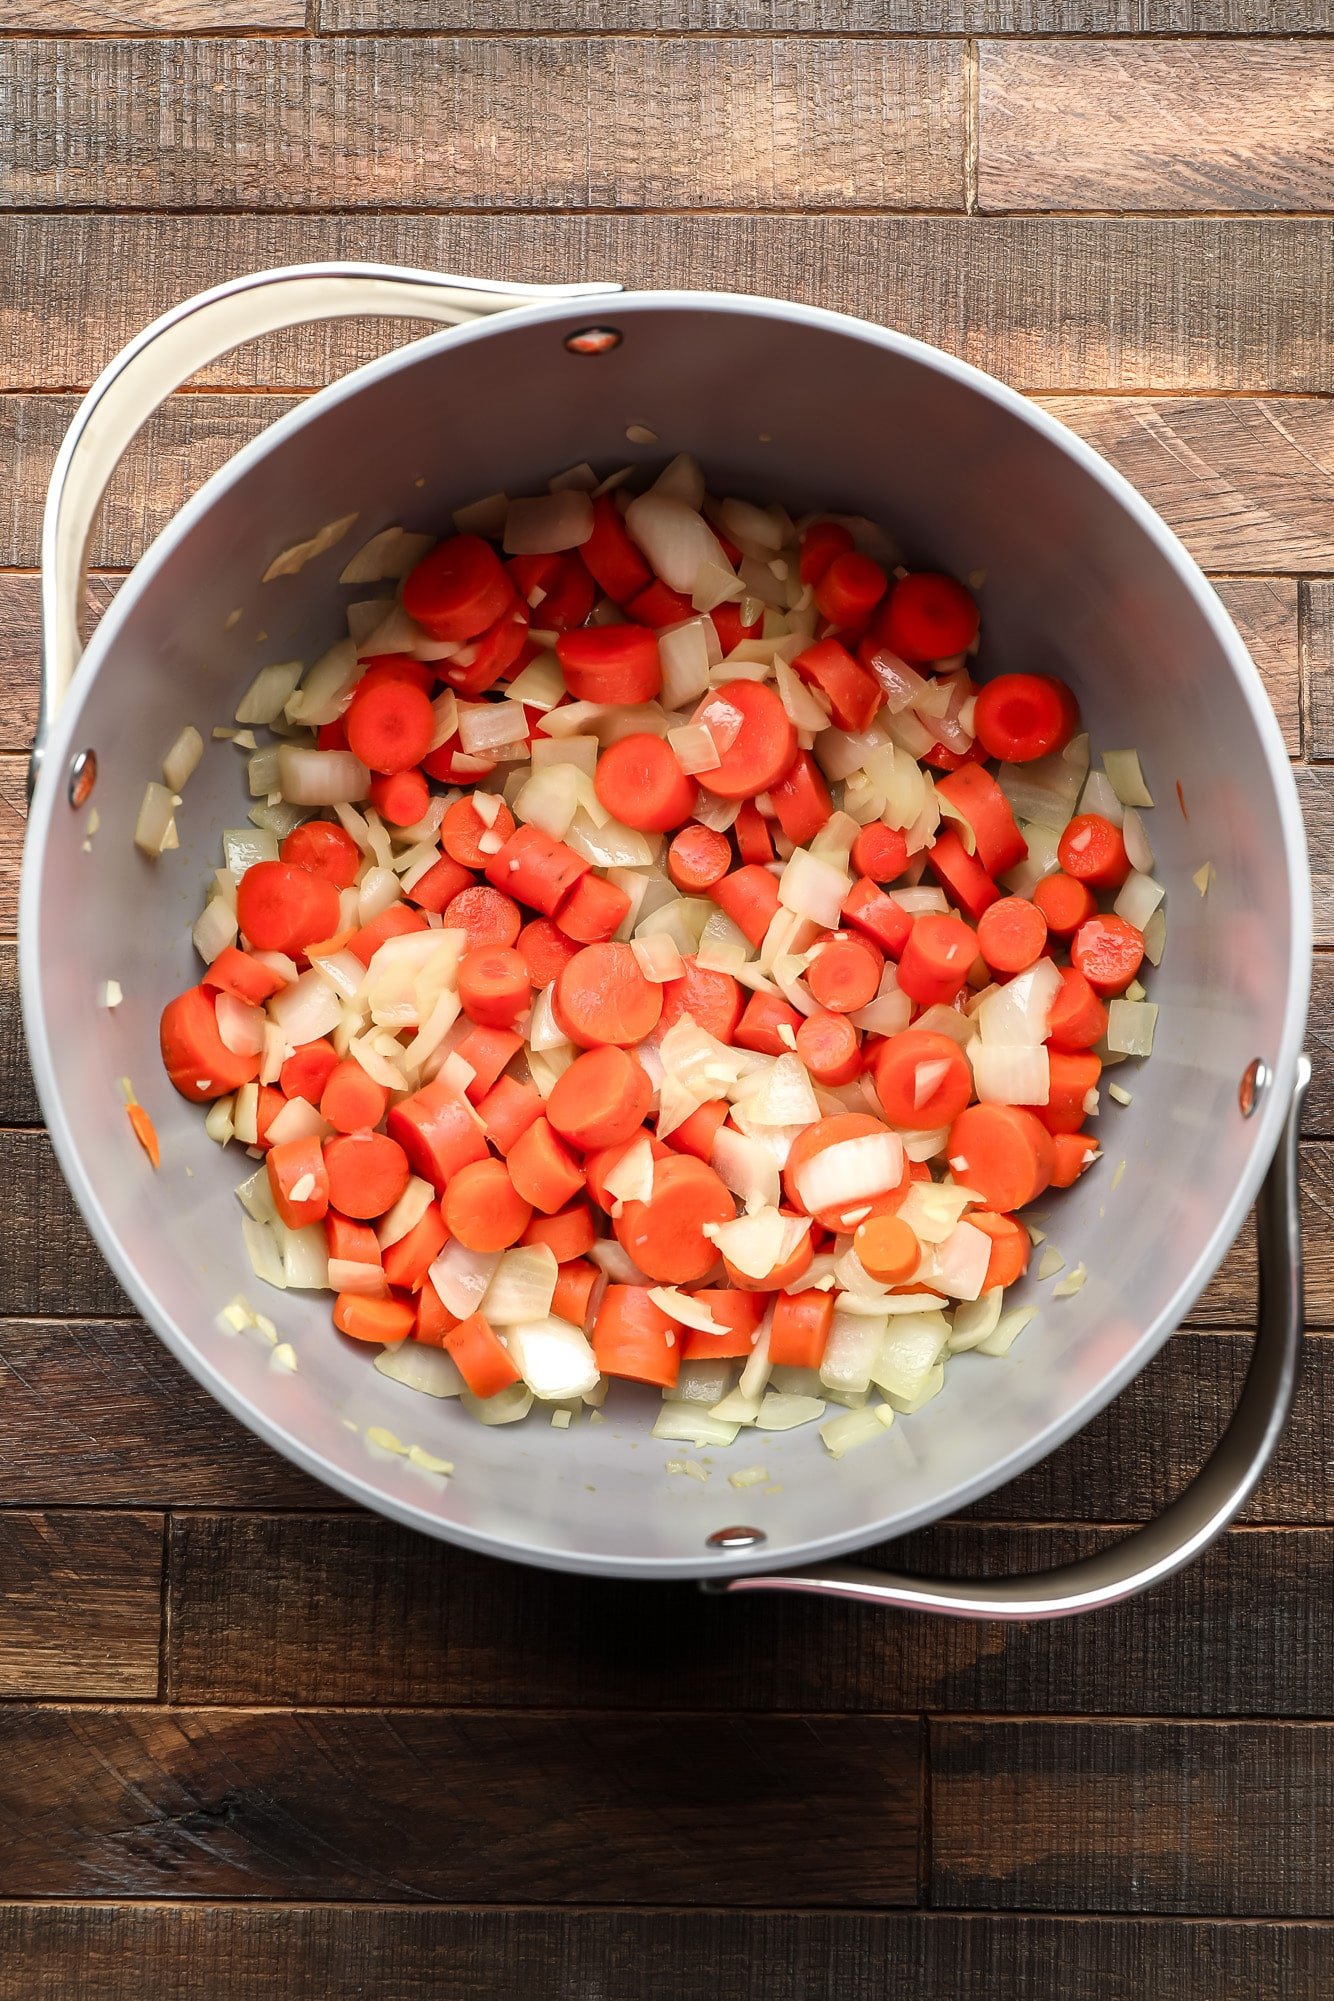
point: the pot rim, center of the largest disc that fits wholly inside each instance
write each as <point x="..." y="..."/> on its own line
<point x="1270" y="1113"/>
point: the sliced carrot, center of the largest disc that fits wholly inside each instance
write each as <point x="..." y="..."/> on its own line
<point x="407" y="1262"/>
<point x="486" y="1051"/>
<point x="1012" y="935"/>
<point x="928" y="617"/>
<point x="458" y="590"/>
<point x="568" y="1234"/>
<point x="820" y="544"/>
<point x="546" y="949"/>
<point x="923" y="1080"/>
<point x="845" y="974"/>
<point x="634" y="1338"/>
<point x="351" y="1101"/>
<point x="354" y="1243"/>
<point x="395" y="922"/>
<point x="799" y="1330"/>
<point x="1074" y="1152"/>
<point x="593" y="911"/>
<point x="665" y="1235"/>
<point x="739" y="1312"/>
<point x="1064" y="903"/>
<point x="379" y="667"/>
<point x="714" y="1000"/>
<point x="880" y="852"/>
<point x="536" y="869"/>
<point x="299" y="1182"/>
<point x="768" y="1024"/>
<point x="1093" y="851"/>
<point x="698" y="858"/>
<point x="611" y="557"/>
<point x="484" y="915"/>
<point x="493" y="985"/>
<point x="400" y="797"/>
<point x="434" y="1320"/>
<point x="1003" y="1153"/>
<point x="962" y="875"/>
<point x="975" y="793"/>
<point x="235" y="972"/>
<point x="830" y="1048"/>
<point x="640" y="782"/>
<point x="818" y="1138"/>
<point x="283" y="909"/>
<point x="380" y="1320"/>
<point x="659" y="607"/>
<point x="697" y="1133"/>
<point x="542" y="1168"/>
<point x="887" y="1248"/>
<point x="507" y="1111"/>
<point x="937" y="958"/>
<point x="1010" y="1247"/>
<point x="800" y="799"/>
<point x="491" y="655"/>
<point x="463" y="829"/>
<point x="437" y="1132"/>
<point x="483" y="1209"/>
<point x="483" y="1360"/>
<point x="442" y="882"/>
<point x="308" y="1069"/>
<point x="601" y="1100"/>
<point x="197" y="1060"/>
<point x="1109" y="952"/>
<point x="877" y="916"/>
<point x="754" y="842"/>
<point x="755" y="736"/>
<point x="1020" y="717"/>
<point x="1078" y="1018"/>
<point x="324" y="848"/>
<point x="610" y="663"/>
<point x="145" y="1132"/>
<point x="389" y="725"/>
<point x="367" y="1173"/>
<point x="749" y="896"/>
<point x="1073" y="1074"/>
<point x="854" y="696"/>
<point x="603" y="996"/>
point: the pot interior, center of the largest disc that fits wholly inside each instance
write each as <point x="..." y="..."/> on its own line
<point x="777" y="402"/>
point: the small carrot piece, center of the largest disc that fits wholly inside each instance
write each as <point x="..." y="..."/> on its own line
<point x="1078" y="1018"/>
<point x="486" y="1051"/>
<point x="485" y="916"/>
<point x="308" y="1069"/>
<point x="880" y="852"/>
<point x="799" y="1330"/>
<point x="351" y="1101"/>
<point x="845" y="974"/>
<point x="324" y="848"/>
<point x="610" y="663"/>
<point x="659" y="607"/>
<point x="850" y="589"/>
<point x="145" y="1132"/>
<point x="493" y="985"/>
<point x="434" y="1320"/>
<point x="712" y="999"/>
<point x="483" y="1208"/>
<point x="507" y="1111"/>
<point x="536" y="869"/>
<point x="697" y="1133"/>
<point x="877" y="916"/>
<point x="542" y="1168"/>
<point x="593" y="911"/>
<point x="698" y="858"/>
<point x="483" y="1360"/>
<point x="196" y="1058"/>
<point x="634" y="1338"/>
<point x="1011" y="935"/>
<point x="1064" y="903"/>
<point x="962" y="875"/>
<point x="610" y="557"/>
<point x="739" y="1312"/>
<point x="1003" y="1153"/>
<point x="283" y="909"/>
<point x="384" y="1321"/>
<point x="855" y="697"/>
<point x="727" y="618"/>
<point x="568" y="1234"/>
<point x="923" y="1080"/>
<point x="603" y="996"/>
<point x="665" y="1235"/>
<point x="367" y="1173"/>
<point x="389" y="725"/>
<point x="928" y="617"/>
<point x="754" y="842"/>
<point x="1073" y="1153"/>
<point x="235" y="972"/>
<point x="437" y="1133"/>
<point x="1072" y="1075"/>
<point x="576" y="1284"/>
<point x="937" y="959"/>
<point x="830" y="1048"/>
<point x="755" y="736"/>
<point x="400" y="797"/>
<point x="355" y="1243"/>
<point x="800" y="800"/>
<point x="463" y="828"/>
<point x="975" y="793"/>
<point x="546" y="949"/>
<point x="1093" y="851"/>
<point x="299" y="1182"/>
<point x="887" y="1248"/>
<point x="601" y="1100"/>
<point x="458" y="590"/>
<point x="1109" y="952"/>
<point x="395" y="922"/>
<point x="1020" y="717"/>
<point x="640" y="782"/>
<point x="1010" y="1247"/>
<point x="749" y="896"/>
<point x="821" y="543"/>
<point x="407" y="1262"/>
<point x="769" y="1025"/>
<point x="442" y="882"/>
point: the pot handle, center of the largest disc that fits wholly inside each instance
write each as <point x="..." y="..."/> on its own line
<point x="1185" y="1528"/>
<point x="184" y="340"/>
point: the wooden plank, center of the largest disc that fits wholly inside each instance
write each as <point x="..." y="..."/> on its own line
<point x="1243" y="481"/>
<point x="52" y="1265"/>
<point x="1315" y="789"/>
<point x="148" y="17"/>
<point x="911" y="17"/>
<point x="13" y="816"/>
<point x="98" y="1414"/>
<point x="81" y="1604"/>
<point x="1317" y="656"/>
<point x="539" y="1808"/>
<point x="482" y="124"/>
<point x="272" y="1610"/>
<point x="20" y="625"/>
<point x="18" y="1093"/>
<point x="1144" y="125"/>
<point x="119" y="1952"/>
<point x="1049" y="303"/>
<point x="1264" y="611"/>
<point x="1202" y="1818"/>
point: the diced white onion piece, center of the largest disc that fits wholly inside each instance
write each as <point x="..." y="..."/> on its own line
<point x="932" y="1209"/>
<point x="658" y="957"/>
<point x="483" y="517"/>
<point x="484" y="727"/>
<point x="807" y="707"/>
<point x="1099" y="797"/>
<point x="155" y="828"/>
<point x="1010" y="1074"/>
<point x="694" y="748"/>
<point x="1008" y="1327"/>
<point x="363" y="617"/>
<point x="742" y="521"/>
<point x="908" y="1351"/>
<point x="851" y="1350"/>
<point x="1130" y="1027"/>
<point x="539" y="685"/>
<point x="243" y="846"/>
<point x="1067" y="1287"/>
<point x="245" y="1113"/>
<point x="289" y="561"/>
<point x="321" y="777"/>
<point x="692" y="1424"/>
<point x="759" y="1243"/>
<point x="550" y="799"/>
<point x="553" y="1357"/>
<point x="620" y="1268"/>
<point x="1155" y="937"/>
<point x="1123" y="768"/>
<point x="262" y="772"/>
<point x="682" y="478"/>
<point x="1138" y="898"/>
<point x="182" y="758"/>
<point x="612" y="845"/>
<point x="926" y="1145"/>
<point x="417" y="1367"/>
<point x="548" y="523"/>
<point x="675" y="538"/>
<point x="521" y="1286"/>
<point x="391" y="553"/>
<point x="297" y="1119"/>
<point x="307" y="1009"/>
<point x="367" y="1281"/>
<point x="716" y="583"/>
<point x="686" y="1309"/>
<point x="813" y="888"/>
<point x="699" y="1382"/>
<point x="280" y="819"/>
<point x="851" y="1171"/>
<point x="396" y="633"/>
<point x="933" y="1385"/>
<point x="1041" y="860"/>
<point x="240" y="1026"/>
<point x="304" y="1253"/>
<point x="958" y="1267"/>
<point x="218" y="1120"/>
<point x="1016" y="1014"/>
<point x="631" y="1178"/>
<point x="975" y="1319"/>
<point x="747" y="1168"/>
<point x="262" y="1250"/>
<point x="544" y="1032"/>
<point x="855" y="1427"/>
<point x="1044" y="790"/>
<point x="507" y="1406"/>
<point x="782" y="1412"/>
<point x="327" y="689"/>
<point x="1137" y="841"/>
<point x="378" y="889"/>
<point x="718" y="814"/>
<point x="267" y="696"/>
<point x="461" y="1277"/>
<point x="686" y="655"/>
<point x="406" y="1213"/>
<point x="214" y="929"/>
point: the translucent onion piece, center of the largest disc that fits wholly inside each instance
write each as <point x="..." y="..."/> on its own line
<point x="550" y="799"/>
<point x="1007" y="1329"/>
<point x="1123" y="768"/>
<point x="391" y="553"/>
<point x="612" y="845"/>
<point x="367" y="1281"/>
<point x="483" y="517"/>
<point x="851" y="1171"/>
<point x="1155" y="938"/>
<point x="553" y="1357"/>
<point x="240" y="1026"/>
<point x="429" y="1370"/>
<point x="852" y="1350"/>
<point x="305" y="1257"/>
<point x="484" y="727"/>
<point x="658" y="957"/>
<point x="326" y="690"/>
<point x="694" y="748"/>
<point x="262" y="772"/>
<point x="291" y="560"/>
<point x="1017" y="1013"/>
<point x="974" y="1319"/>
<point x="1138" y="898"/>
<point x="321" y="777"/>
<point x="540" y="685"/>
<point x="1008" y="1074"/>
<point x="521" y="1286"/>
<point x="675" y="538"/>
<point x="691" y="1424"/>
<point x="215" y="929"/>
<point x="297" y="1119"/>
<point x="1130" y="1027"/>
<point x="505" y="1407"/>
<point x="1045" y="790"/>
<point x="406" y="1213"/>
<point x="243" y="845"/>
<point x="958" y="1267"/>
<point x="182" y="758"/>
<point x="1137" y="841"/>
<point x="307" y="1009"/>
<point x="267" y="695"/>
<point x="262" y="1250"/>
<point x="155" y="829"/>
<point x="461" y="1277"/>
<point x="780" y="1412"/>
<point x="855" y="1427"/>
<point x="908" y="1352"/>
<point x="747" y="1168"/>
<point x="813" y="888"/>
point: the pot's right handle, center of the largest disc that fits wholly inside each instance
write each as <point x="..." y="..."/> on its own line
<point x="165" y="354"/>
<point x="1217" y="1493"/>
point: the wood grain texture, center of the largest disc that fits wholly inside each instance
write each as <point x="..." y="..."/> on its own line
<point x="1317" y="664"/>
<point x="1247" y="484"/>
<point x="13" y="818"/>
<point x="482" y="124"/>
<point x="119" y="1952"/>
<point x="1315" y="789"/>
<point x="1045" y="302"/>
<point x="538" y="1808"/>
<point x="80" y="1604"/>
<point x="20" y="643"/>
<point x="912" y="17"/>
<point x="97" y="1414"/>
<point x="1264" y="611"/>
<point x="148" y="17"/>
<point x="1166" y="125"/>
<point x="1133" y="1817"/>
<point x="273" y="1610"/>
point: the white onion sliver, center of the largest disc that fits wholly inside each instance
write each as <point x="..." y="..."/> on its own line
<point x="553" y="1357"/>
<point x="214" y="929"/>
<point x="307" y="1009"/>
<point x="1138" y="898"/>
<point x="851" y="1171"/>
<point x="521" y="1286"/>
<point x="181" y="760"/>
<point x="392" y="553"/>
<point x="461" y="1277"/>
<point x="267" y="696"/>
<point x="1130" y="1027"/>
<point x="321" y="777"/>
<point x="1010" y="1074"/>
<point x="155" y="829"/>
<point x="240" y="1026"/>
<point x="428" y="1370"/>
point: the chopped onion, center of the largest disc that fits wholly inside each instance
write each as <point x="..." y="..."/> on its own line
<point x="507" y="1406"/>
<point x="245" y="1116"/>
<point x="682" y="478"/>
<point x="218" y="1120"/>
<point x="544" y="1031"/>
<point x="687" y="652"/>
<point x="521" y="1286"/>
<point x="539" y="685"/>
<point x="1007" y="1328"/>
<point x="214" y="929"/>
<point x="806" y="706"/>
<point x="958" y="1267"/>
<point x="262" y="1250"/>
<point x="1137" y="841"/>
<point x="550" y="798"/>
<point x="483" y="517"/>
<point x="783" y="1412"/>
<point x="852" y="1350"/>
<point x="610" y="846"/>
<point x="262" y="772"/>
<point x="691" y="1424"/>
<point x="1010" y="1074"/>
<point x="932" y="1209"/>
<point x="619" y="1267"/>
<point x="155" y="829"/>
<point x="367" y="1281"/>
<point x="851" y="1171"/>
<point x="549" y="523"/>
<point x="747" y="1168"/>
<point x="406" y="1213"/>
<point x="243" y="846"/>
<point x="1016" y="1014"/>
<point x="1123" y="769"/>
<point x="742" y="521"/>
<point x="694" y="748"/>
<point x="1041" y="860"/>
<point x="1155" y="938"/>
<point x="908" y="1351"/>
<point x="297" y="1119"/>
<point x="1044" y="790"/>
<point x="429" y="1370"/>
<point x="321" y="777"/>
<point x="975" y="1319"/>
<point x="240" y="1026"/>
<point x="658" y="957"/>
<point x="307" y="1009"/>
<point x="363" y="618"/>
<point x="926" y="1145"/>
<point x="676" y="539"/>
<point x="684" y="1308"/>
<point x="291" y="560"/>
<point x="1130" y="1026"/>
<point x="758" y="1243"/>
<point x="486" y="727"/>
<point x="377" y="890"/>
<point x="391" y="553"/>
<point x="305" y="1255"/>
<point x="631" y="1178"/>
<point x="856" y="1427"/>
<point x="553" y="1357"/>
<point x="813" y="888"/>
<point x="1099" y="797"/>
<point x="327" y="689"/>
<point x="267" y="696"/>
<point x="1138" y="898"/>
<point x="182" y="758"/>
<point x="461" y="1277"/>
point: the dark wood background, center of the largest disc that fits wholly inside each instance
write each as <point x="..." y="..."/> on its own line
<point x="254" y="1743"/>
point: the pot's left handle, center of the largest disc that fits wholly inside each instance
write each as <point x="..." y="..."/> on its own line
<point x="165" y="354"/>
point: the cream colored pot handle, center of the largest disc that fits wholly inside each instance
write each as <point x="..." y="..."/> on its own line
<point x="185" y="340"/>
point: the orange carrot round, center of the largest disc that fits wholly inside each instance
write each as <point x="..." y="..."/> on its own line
<point x="593" y="911"/>
<point x="845" y="974"/>
<point x="367" y="1172"/>
<point x="395" y="922"/>
<point x="483" y="1208"/>
<point x="610" y="663"/>
<point x="283" y="909"/>
<point x="486" y="1051"/>
<point x="542" y="1168"/>
<point x="1092" y="850"/>
<point x="463" y="829"/>
<point x="755" y="737"/>
<point x="1003" y="1153"/>
<point x="799" y="1330"/>
<point x="407" y="1262"/>
<point x="710" y="998"/>
<point x="389" y="725"/>
<point x="749" y="896"/>
<point x="634" y="1338"/>
<point x="442" y="882"/>
<point x="537" y="869"/>
<point x="937" y="959"/>
<point x="400" y="797"/>
<point x="737" y="1311"/>
<point x="437" y="1133"/>
<point x="1011" y="935"/>
<point x="308" y="1069"/>
<point x="197" y="1060"/>
<point x="887" y="1248"/>
<point x="665" y="1235"/>
<point x="482" y="1359"/>
<point x="507" y="1111"/>
<point x="698" y="858"/>
<point x="1010" y="1247"/>
<point x="380" y="1320"/>
<point x="830" y="1048"/>
<point x="1072" y="1075"/>
<point x="458" y="590"/>
<point x="768" y="1024"/>
<point x="601" y="1100"/>
<point x="323" y="848"/>
<point x="1109" y="952"/>
<point x="546" y="950"/>
<point x="923" y="1080"/>
<point x="697" y="1133"/>
<point x="880" y="852"/>
<point x="493" y="985"/>
<point x="298" y="1181"/>
<point x="602" y="996"/>
<point x="1064" y="903"/>
<point x="568" y="1234"/>
<point x="351" y="1101"/>
<point x="1073" y="1153"/>
<point x="800" y="799"/>
<point x="640" y="782"/>
<point x="485" y="916"/>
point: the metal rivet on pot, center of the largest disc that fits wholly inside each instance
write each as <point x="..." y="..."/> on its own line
<point x="82" y="778"/>
<point x="736" y="1538"/>
<point x="593" y="340"/>
<point x="1254" y="1084"/>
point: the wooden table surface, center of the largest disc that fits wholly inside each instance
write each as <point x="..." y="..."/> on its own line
<point x="253" y="1742"/>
